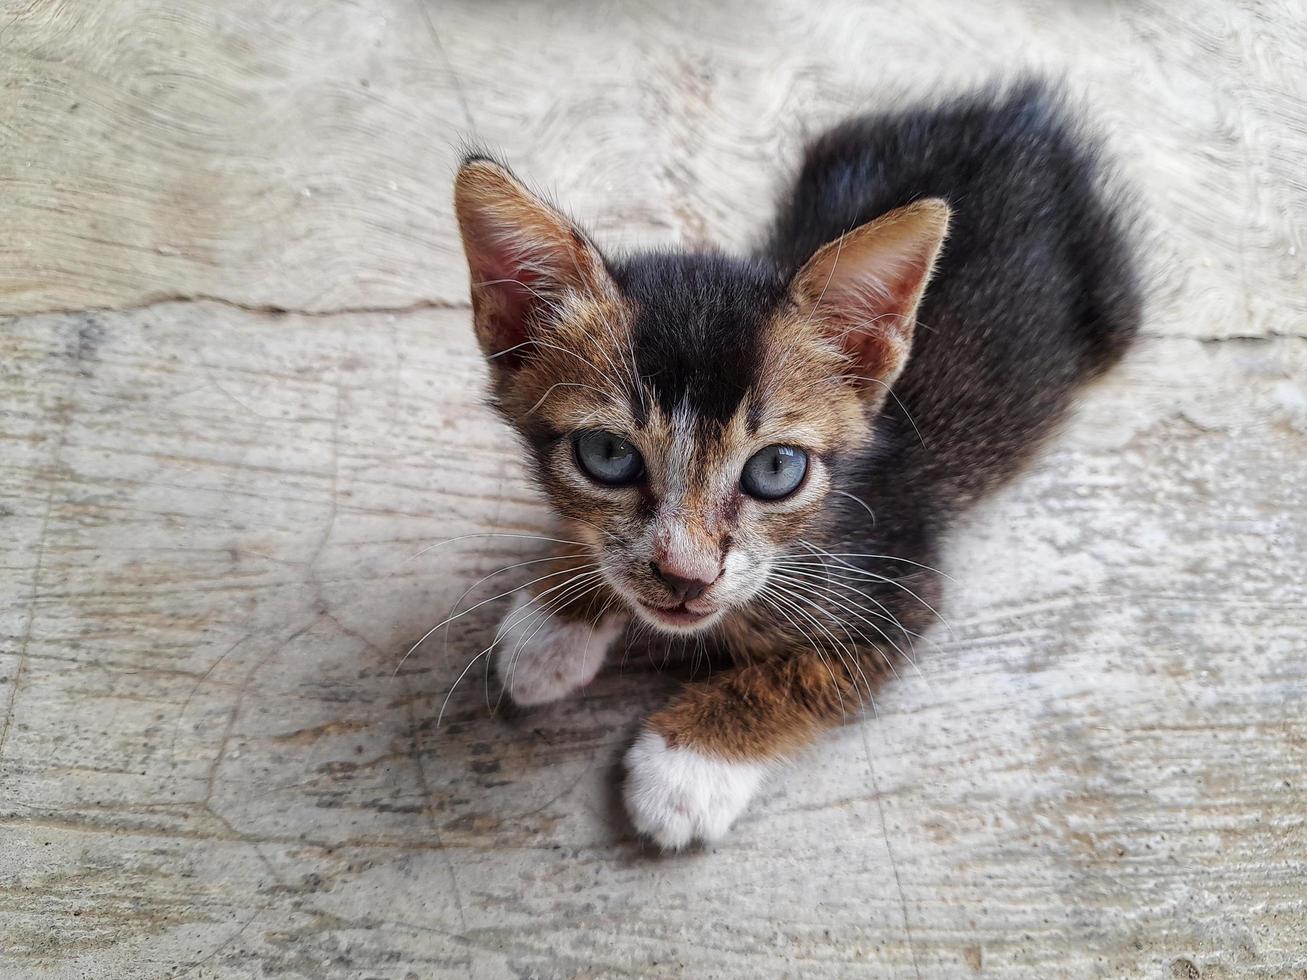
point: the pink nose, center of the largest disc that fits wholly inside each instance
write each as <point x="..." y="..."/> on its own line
<point x="681" y="587"/>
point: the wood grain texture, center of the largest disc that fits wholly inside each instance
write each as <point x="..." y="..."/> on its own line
<point x="216" y="516"/>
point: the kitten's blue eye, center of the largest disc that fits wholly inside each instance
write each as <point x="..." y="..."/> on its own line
<point x="774" y="472"/>
<point x="608" y="458"/>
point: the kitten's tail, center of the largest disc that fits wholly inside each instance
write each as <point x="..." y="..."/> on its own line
<point x="1102" y="241"/>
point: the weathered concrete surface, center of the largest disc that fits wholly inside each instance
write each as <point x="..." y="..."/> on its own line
<point x="215" y="516"/>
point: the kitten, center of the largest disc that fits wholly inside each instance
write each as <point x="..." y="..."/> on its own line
<point x="766" y="450"/>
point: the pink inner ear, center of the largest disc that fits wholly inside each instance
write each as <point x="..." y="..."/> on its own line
<point x="877" y="353"/>
<point x="505" y="291"/>
<point x="871" y="309"/>
<point x="864" y="288"/>
<point x="522" y="254"/>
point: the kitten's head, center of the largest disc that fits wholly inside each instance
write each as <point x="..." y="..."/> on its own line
<point x="685" y="410"/>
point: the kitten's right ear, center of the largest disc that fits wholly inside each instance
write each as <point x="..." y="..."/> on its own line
<point x="523" y="256"/>
<point x="862" y="290"/>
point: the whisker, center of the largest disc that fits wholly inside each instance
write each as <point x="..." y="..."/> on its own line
<point x="614" y="394"/>
<point x="836" y="580"/>
<point x="563" y="384"/>
<point x="862" y="503"/>
<point x="828" y="595"/>
<point x="468" y="591"/>
<point x="555" y="309"/>
<point x="525" y="615"/>
<point x="866" y="554"/>
<point x="887" y="581"/>
<point x="908" y="634"/>
<point x="474" y="608"/>
<point x="852" y="655"/>
<point x="603" y="611"/>
<point x="507" y="568"/>
<point x="545" y="614"/>
<point x="581" y="520"/>
<point x="774" y="599"/>
<point x="891" y="393"/>
<point x="499" y="634"/>
<point x="440" y="715"/>
<point x="628" y="365"/>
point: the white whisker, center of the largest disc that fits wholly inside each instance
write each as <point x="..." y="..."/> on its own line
<point x="581" y="589"/>
<point x="852" y="654"/>
<point x="525" y="615"/>
<point x="831" y="581"/>
<point x="860" y="554"/>
<point x="470" y="609"/>
<point x="852" y="609"/>
<point x="563" y="384"/>
<point x="774" y="598"/>
<point x="888" y="581"/>
<point x="862" y="503"/>
<point x="524" y="585"/>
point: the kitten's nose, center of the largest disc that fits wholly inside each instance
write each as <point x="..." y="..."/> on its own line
<point x="680" y="587"/>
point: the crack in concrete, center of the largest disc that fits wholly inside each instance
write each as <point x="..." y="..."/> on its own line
<point x="63" y="418"/>
<point x="259" y="309"/>
<point x="1241" y="338"/>
<point x="889" y="850"/>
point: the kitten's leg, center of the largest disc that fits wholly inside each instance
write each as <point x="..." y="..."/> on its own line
<point x="698" y="761"/>
<point x="555" y="637"/>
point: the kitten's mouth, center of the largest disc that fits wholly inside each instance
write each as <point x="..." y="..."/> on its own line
<point x="680" y="617"/>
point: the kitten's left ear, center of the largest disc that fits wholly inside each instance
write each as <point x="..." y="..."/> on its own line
<point x="524" y="257"/>
<point x="863" y="289"/>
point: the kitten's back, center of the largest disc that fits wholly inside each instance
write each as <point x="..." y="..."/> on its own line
<point x="1036" y="290"/>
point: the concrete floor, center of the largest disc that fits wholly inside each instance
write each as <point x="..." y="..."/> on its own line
<point x="240" y="400"/>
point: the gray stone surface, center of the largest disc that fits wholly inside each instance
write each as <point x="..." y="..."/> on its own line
<point x="240" y="403"/>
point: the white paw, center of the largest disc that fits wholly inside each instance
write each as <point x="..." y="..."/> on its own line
<point x="542" y="659"/>
<point x="678" y="795"/>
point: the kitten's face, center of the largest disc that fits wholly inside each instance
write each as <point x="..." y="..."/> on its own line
<point x="684" y="411"/>
<point x="686" y="485"/>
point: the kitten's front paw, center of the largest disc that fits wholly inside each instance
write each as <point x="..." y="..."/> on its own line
<point x="678" y="795"/>
<point x="539" y="660"/>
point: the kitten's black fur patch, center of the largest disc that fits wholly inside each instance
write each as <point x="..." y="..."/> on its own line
<point x="698" y="318"/>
